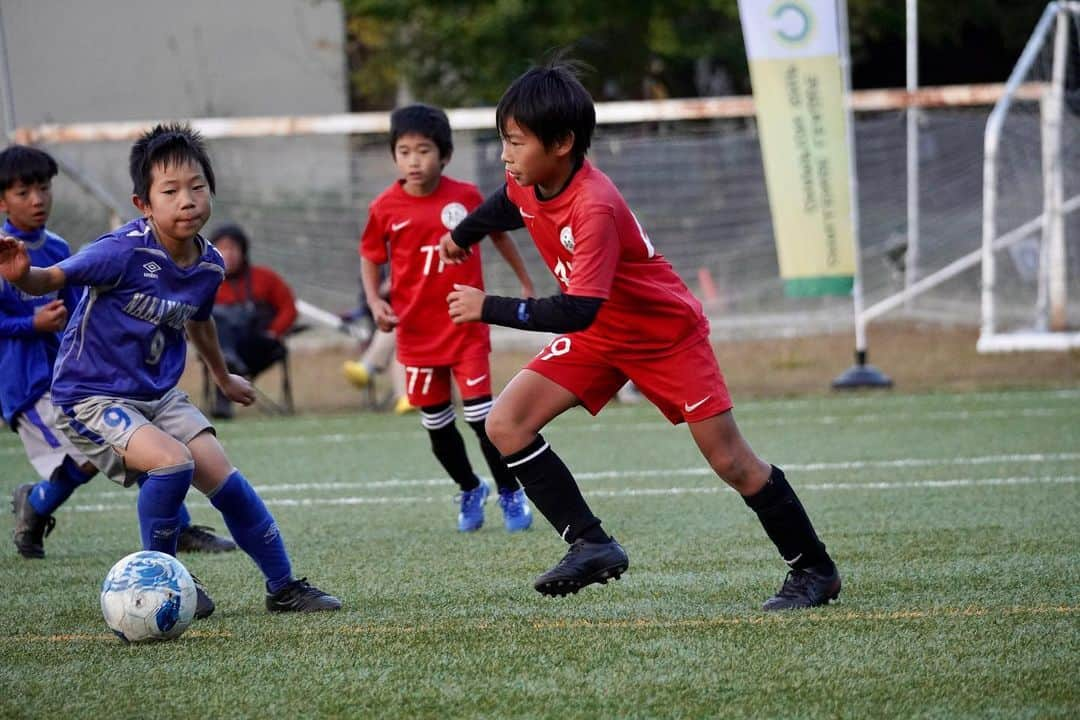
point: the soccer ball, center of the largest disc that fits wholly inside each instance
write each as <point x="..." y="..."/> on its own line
<point x="148" y="596"/>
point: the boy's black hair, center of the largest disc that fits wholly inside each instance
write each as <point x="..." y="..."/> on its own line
<point x="236" y="233"/>
<point x="551" y="103"/>
<point x="22" y="163"/>
<point x="425" y="120"/>
<point x="167" y="144"/>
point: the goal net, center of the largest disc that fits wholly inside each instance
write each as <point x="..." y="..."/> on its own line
<point x="1031" y="196"/>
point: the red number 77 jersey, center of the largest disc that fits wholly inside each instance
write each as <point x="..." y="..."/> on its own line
<point x="404" y="230"/>
<point x="594" y="246"/>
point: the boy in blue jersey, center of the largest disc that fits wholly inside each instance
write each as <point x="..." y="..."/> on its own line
<point x="147" y="284"/>
<point x="30" y="330"/>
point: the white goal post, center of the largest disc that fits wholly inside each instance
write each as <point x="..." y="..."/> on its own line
<point x="1045" y="62"/>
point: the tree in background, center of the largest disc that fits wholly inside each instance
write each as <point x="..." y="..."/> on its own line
<point x="465" y="52"/>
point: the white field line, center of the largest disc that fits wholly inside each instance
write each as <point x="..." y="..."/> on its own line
<point x="765" y="405"/>
<point x="1033" y="458"/>
<point x="618" y="427"/>
<point x="363" y="436"/>
<point x="650" y="492"/>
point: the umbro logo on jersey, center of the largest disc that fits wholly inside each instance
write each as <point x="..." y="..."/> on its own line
<point x="152" y="269"/>
<point x="473" y="381"/>
<point x="687" y="407"/>
<point x="398" y="225"/>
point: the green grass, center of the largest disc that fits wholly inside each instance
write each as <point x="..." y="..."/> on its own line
<point x="953" y="519"/>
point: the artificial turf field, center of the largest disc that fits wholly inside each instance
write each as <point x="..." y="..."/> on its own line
<point x="953" y="519"/>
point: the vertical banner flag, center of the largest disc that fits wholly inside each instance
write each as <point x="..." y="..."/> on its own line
<point x="794" y="59"/>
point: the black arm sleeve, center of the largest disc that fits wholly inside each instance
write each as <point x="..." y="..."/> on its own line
<point x="495" y="214"/>
<point x="557" y="314"/>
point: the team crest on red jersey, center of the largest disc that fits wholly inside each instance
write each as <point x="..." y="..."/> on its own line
<point x="452" y="214"/>
<point x="566" y="237"/>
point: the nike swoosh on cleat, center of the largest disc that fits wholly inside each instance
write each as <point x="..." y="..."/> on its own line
<point x="793" y="560"/>
<point x="565" y="531"/>
<point x="473" y="381"/>
<point x="397" y="226"/>
<point x="687" y="407"/>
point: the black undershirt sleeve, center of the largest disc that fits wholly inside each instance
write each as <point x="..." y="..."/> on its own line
<point x="495" y="214"/>
<point x="557" y="314"/>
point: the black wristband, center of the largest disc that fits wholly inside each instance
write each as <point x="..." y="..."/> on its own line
<point x="505" y="311"/>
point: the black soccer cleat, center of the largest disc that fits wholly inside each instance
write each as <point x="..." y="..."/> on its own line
<point x="31" y="528"/>
<point x="199" y="538"/>
<point x="301" y="596"/>
<point x="204" y="604"/>
<point x="585" y="563"/>
<point x="806" y="589"/>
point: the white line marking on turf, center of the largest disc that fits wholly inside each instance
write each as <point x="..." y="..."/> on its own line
<point x="1032" y="458"/>
<point x="665" y="472"/>
<point x="653" y="492"/>
<point x="960" y="482"/>
<point x="363" y="436"/>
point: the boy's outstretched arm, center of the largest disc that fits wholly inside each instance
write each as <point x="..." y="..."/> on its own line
<point x="506" y="247"/>
<point x="203" y="334"/>
<point x="556" y="314"/>
<point x="15" y="268"/>
<point x="572" y="311"/>
<point x="495" y="214"/>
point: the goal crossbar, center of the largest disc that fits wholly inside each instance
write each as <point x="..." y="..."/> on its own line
<point x="484" y="118"/>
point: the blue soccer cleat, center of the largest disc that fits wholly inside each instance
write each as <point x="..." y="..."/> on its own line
<point x="471" y="517"/>
<point x="517" y="515"/>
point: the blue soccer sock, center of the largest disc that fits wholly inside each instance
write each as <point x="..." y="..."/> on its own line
<point x="253" y="528"/>
<point x="184" y="517"/>
<point x="161" y="496"/>
<point x="50" y="494"/>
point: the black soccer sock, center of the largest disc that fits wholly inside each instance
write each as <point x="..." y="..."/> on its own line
<point x="553" y="491"/>
<point x="476" y="411"/>
<point x="448" y="445"/>
<point x="786" y="523"/>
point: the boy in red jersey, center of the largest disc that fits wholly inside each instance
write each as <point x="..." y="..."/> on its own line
<point x="404" y="225"/>
<point x="624" y="314"/>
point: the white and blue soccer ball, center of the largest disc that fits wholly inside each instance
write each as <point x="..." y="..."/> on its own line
<point x="148" y="596"/>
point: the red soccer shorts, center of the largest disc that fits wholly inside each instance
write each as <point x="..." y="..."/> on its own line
<point x="685" y="383"/>
<point x="427" y="386"/>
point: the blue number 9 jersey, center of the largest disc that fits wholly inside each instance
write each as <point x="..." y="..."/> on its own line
<point x="126" y="338"/>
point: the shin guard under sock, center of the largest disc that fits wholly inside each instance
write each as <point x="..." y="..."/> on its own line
<point x="161" y="494"/>
<point x="253" y="528"/>
<point x="553" y="491"/>
<point x="183" y="518"/>
<point x="787" y="524"/>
